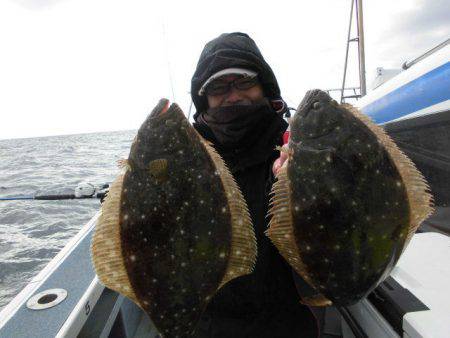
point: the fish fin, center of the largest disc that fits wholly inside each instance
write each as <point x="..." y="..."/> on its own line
<point x="106" y="250"/>
<point x="158" y="168"/>
<point x="417" y="189"/>
<point x="281" y="231"/>
<point x="285" y="149"/>
<point x="123" y="163"/>
<point x="316" y="300"/>
<point x="243" y="253"/>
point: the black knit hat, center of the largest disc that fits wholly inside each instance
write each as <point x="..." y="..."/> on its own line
<point x="231" y="50"/>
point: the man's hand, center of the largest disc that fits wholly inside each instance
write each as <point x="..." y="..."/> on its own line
<point x="280" y="161"/>
<point x="284" y="154"/>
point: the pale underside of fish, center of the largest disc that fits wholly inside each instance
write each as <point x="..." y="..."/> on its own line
<point x="346" y="203"/>
<point x="174" y="227"/>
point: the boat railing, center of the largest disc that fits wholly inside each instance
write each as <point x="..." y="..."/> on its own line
<point x="408" y="64"/>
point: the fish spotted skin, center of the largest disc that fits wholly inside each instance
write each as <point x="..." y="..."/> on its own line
<point x="348" y="202"/>
<point x="174" y="216"/>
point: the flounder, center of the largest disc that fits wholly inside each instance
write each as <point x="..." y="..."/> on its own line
<point x="346" y="203"/>
<point x="174" y="227"/>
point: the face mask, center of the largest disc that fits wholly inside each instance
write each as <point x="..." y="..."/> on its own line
<point x="237" y="126"/>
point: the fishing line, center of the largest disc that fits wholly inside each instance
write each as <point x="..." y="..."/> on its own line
<point x="190" y="109"/>
<point x="166" y="50"/>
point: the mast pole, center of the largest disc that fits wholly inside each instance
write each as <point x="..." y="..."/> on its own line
<point x="346" y="52"/>
<point x="361" y="54"/>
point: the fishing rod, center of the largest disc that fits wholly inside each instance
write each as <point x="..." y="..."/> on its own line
<point x="82" y="191"/>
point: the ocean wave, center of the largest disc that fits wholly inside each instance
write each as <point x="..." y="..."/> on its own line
<point x="32" y="232"/>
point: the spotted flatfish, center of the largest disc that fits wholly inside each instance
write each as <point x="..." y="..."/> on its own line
<point x="346" y="203"/>
<point x="174" y="227"/>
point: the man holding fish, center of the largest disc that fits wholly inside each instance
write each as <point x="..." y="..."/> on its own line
<point x="240" y="110"/>
<point x="184" y="230"/>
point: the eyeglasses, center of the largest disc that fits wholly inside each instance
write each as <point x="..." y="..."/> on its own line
<point x="221" y="87"/>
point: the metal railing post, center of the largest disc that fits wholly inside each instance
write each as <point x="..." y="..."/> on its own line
<point x="361" y="54"/>
<point x="346" y="52"/>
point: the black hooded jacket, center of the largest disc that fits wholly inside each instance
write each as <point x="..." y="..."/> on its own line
<point x="230" y="51"/>
<point x="264" y="303"/>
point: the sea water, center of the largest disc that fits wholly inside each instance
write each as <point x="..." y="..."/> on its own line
<point x="32" y="232"/>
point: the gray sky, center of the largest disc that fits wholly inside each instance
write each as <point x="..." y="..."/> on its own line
<point x="73" y="66"/>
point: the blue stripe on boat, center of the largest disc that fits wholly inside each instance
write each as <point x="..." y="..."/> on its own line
<point x="427" y="90"/>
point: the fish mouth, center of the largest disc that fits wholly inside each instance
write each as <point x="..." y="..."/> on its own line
<point x="161" y="108"/>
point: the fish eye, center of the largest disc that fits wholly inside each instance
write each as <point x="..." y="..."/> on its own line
<point x="316" y="105"/>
